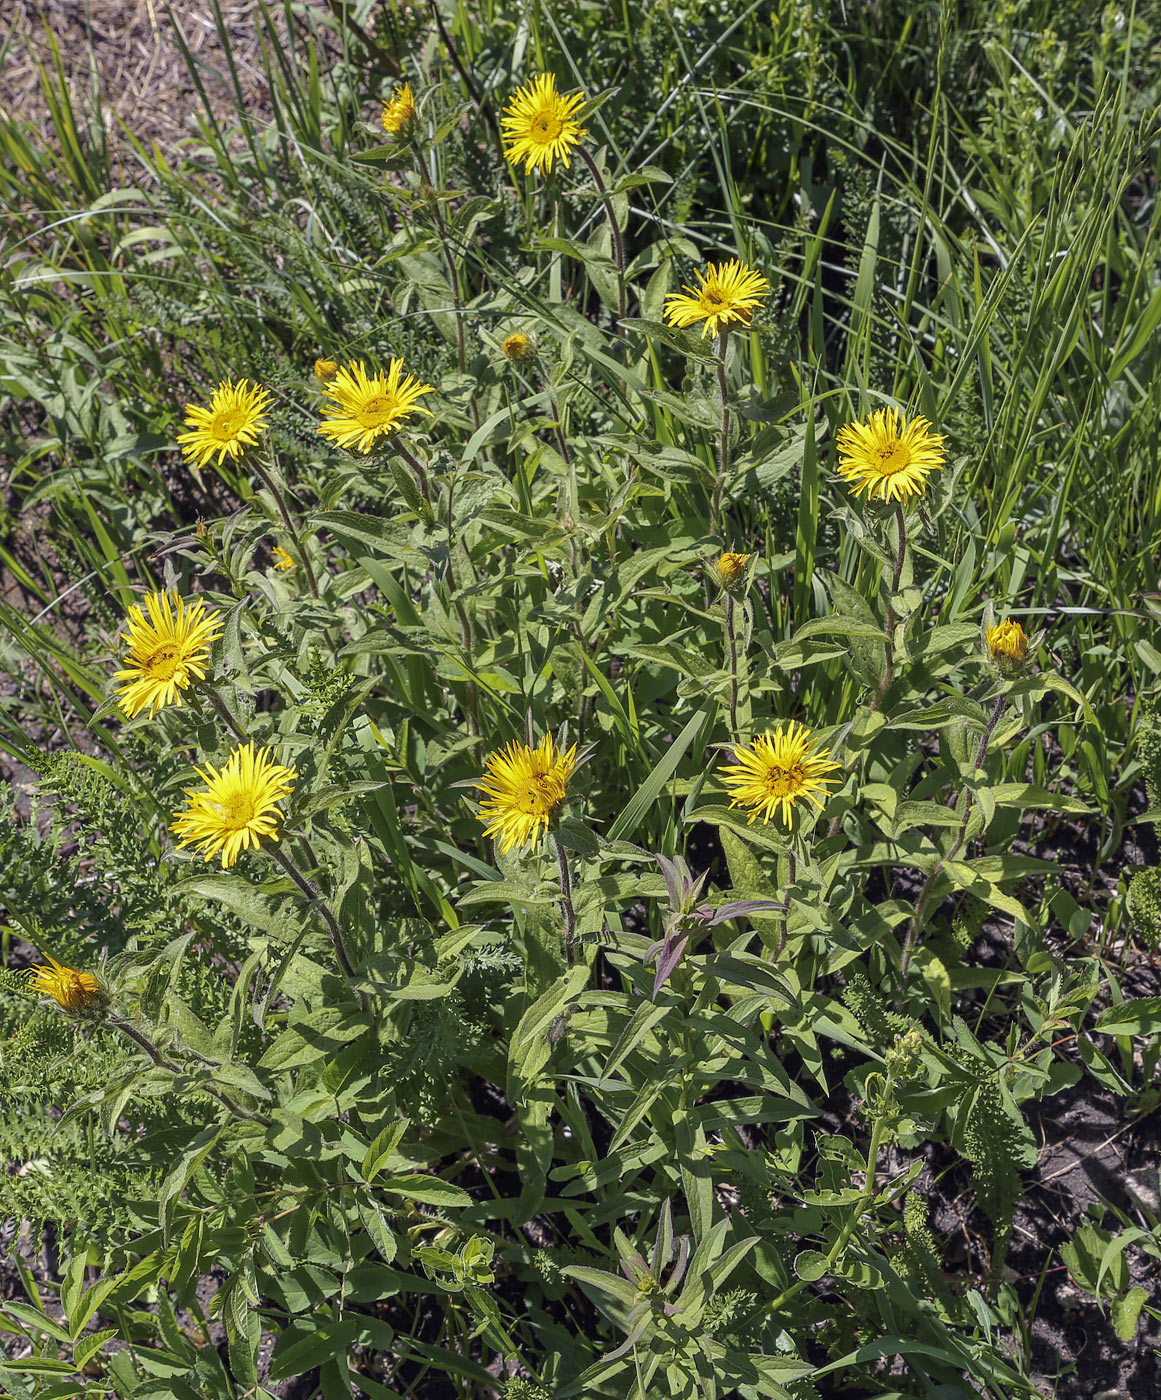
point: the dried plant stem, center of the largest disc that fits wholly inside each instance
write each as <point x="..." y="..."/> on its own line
<point x="956" y="846"/>
<point x="724" y="443"/>
<point x="566" y="906"/>
<point x="889" y="657"/>
<point x="615" y="229"/>
<point x="288" y="521"/>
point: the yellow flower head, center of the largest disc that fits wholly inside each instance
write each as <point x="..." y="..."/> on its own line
<point x="325" y="369"/>
<point x="525" y="789"/>
<point x="369" y="407"/>
<point x="889" y="456"/>
<point x="730" y="568"/>
<point x="776" y="770"/>
<point x="166" y="651"/>
<point x="729" y="292"/>
<point x="398" y="110"/>
<point x="239" y="806"/>
<point x="232" y="422"/>
<point x="538" y="125"/>
<point x="1007" y="642"/>
<point x="282" y="560"/>
<point x="517" y="346"/>
<point x="74" y="991"/>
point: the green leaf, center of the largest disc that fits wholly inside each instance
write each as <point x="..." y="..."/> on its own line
<point x="1126" y="1312"/>
<point x="653" y="786"/>
<point x="1139" y="1017"/>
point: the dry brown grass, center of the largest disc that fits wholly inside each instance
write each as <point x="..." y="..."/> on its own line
<point x="133" y="48"/>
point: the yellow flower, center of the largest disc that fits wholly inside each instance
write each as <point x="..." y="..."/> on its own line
<point x="232" y="422"/>
<point x="166" y="651"/>
<point x="75" y="991"/>
<point x="730" y="568"/>
<point x="325" y="369"/>
<point x="238" y="807"/>
<point x="889" y="456"/>
<point x="398" y="110"/>
<point x="539" y="126"/>
<point x="729" y="292"/>
<point x="776" y="770"/>
<point x="517" y="346"/>
<point x="282" y="560"/>
<point x="366" y="408"/>
<point x="1007" y="641"/>
<point x="525" y="789"/>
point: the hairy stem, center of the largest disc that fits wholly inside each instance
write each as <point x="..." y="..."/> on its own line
<point x="724" y="443"/>
<point x="615" y="228"/>
<point x="315" y="896"/>
<point x="288" y="521"/>
<point x="889" y="657"/>
<point x="566" y="898"/>
<point x="453" y="272"/>
<point x="416" y="466"/>
<point x="139" y="1038"/>
<point x="732" y="650"/>
<point x="956" y="846"/>
<point x="783" y="923"/>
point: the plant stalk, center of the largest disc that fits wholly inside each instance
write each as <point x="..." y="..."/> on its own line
<point x="732" y="650"/>
<point x="615" y="228"/>
<point x="724" y="443"/>
<point x="139" y="1038"/>
<point x="415" y="464"/>
<point x="452" y="270"/>
<point x="889" y="657"/>
<point x="929" y="884"/>
<point x="566" y="906"/>
<point x="288" y="521"/>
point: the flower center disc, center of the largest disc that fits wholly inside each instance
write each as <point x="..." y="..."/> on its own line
<point x="376" y="411"/>
<point x="540" y="796"/>
<point x="547" y="125"/>
<point x="784" y="780"/>
<point x="163" y="663"/>
<point x="893" y="457"/>
<point x="226" y="425"/>
<point x="711" y="298"/>
<point x="237" y="811"/>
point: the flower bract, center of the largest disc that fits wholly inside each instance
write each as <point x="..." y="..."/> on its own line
<point x="728" y="293"/>
<point x="525" y="788"/>
<point x="539" y="126"/>
<point x="516" y="346"/>
<point x="774" y="771"/>
<point x="75" y="991"/>
<point x="367" y="407"/>
<point x="398" y="110"/>
<point x="730" y="568"/>
<point x="889" y="456"/>
<point x="167" y="649"/>
<point x="232" y="422"/>
<point x="238" y="807"/>
<point x="1007" y="641"/>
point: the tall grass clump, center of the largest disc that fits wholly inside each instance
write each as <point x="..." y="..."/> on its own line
<point x="569" y="591"/>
